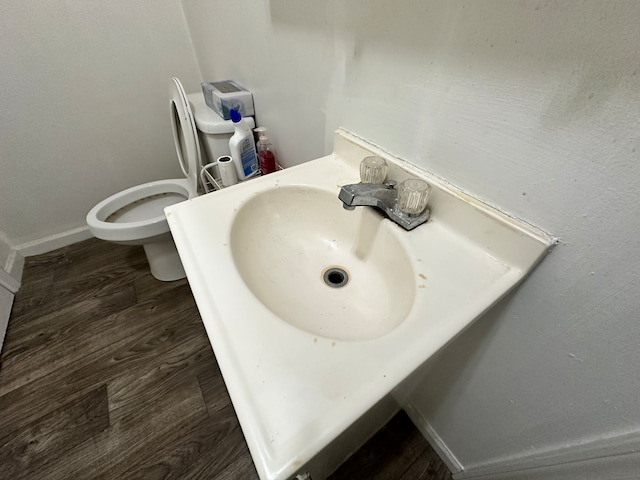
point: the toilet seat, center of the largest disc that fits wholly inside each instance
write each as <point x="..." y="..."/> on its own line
<point x="185" y="135"/>
<point x="139" y="211"/>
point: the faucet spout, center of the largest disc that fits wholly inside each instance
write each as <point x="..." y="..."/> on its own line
<point x="368" y="194"/>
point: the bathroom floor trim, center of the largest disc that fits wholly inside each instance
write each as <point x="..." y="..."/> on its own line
<point x="53" y="242"/>
<point x="590" y="459"/>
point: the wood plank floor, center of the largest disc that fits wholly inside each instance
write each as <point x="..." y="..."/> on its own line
<point x="107" y="373"/>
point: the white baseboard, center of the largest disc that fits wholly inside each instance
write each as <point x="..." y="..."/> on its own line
<point x="428" y="432"/>
<point x="9" y="282"/>
<point x="53" y="242"/>
<point x="11" y="265"/>
<point x="6" y="301"/>
<point x="615" y="456"/>
<point x="11" y="271"/>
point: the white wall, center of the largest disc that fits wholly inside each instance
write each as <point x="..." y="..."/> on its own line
<point x="284" y="53"/>
<point x="85" y="108"/>
<point x="532" y="106"/>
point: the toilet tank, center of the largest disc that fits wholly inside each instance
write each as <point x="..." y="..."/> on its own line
<point x="214" y="132"/>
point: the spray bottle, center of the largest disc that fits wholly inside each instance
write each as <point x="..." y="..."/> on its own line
<point x="266" y="154"/>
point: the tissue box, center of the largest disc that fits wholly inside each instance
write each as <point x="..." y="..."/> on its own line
<point x="223" y="96"/>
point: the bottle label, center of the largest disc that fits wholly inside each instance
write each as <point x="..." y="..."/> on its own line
<point x="248" y="157"/>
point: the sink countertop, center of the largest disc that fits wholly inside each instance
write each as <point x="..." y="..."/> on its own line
<point x="293" y="391"/>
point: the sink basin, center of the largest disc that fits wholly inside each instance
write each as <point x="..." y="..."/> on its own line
<point x="316" y="314"/>
<point x="333" y="273"/>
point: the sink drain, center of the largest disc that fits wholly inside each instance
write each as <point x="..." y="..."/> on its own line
<point x="335" y="277"/>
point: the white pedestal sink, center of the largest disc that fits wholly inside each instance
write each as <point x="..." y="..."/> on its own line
<point x="303" y="357"/>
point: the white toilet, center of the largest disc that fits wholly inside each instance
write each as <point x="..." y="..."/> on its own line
<point x="135" y="216"/>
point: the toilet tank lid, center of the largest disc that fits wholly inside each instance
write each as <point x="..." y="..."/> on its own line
<point x="209" y="121"/>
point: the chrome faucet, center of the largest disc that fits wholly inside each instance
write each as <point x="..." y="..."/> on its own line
<point x="384" y="197"/>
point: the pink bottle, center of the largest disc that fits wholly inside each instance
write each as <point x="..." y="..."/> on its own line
<point x="266" y="156"/>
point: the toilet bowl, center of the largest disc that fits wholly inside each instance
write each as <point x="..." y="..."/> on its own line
<point x="135" y="216"/>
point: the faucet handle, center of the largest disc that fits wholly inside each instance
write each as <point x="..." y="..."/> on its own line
<point x="413" y="196"/>
<point x="373" y="169"/>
